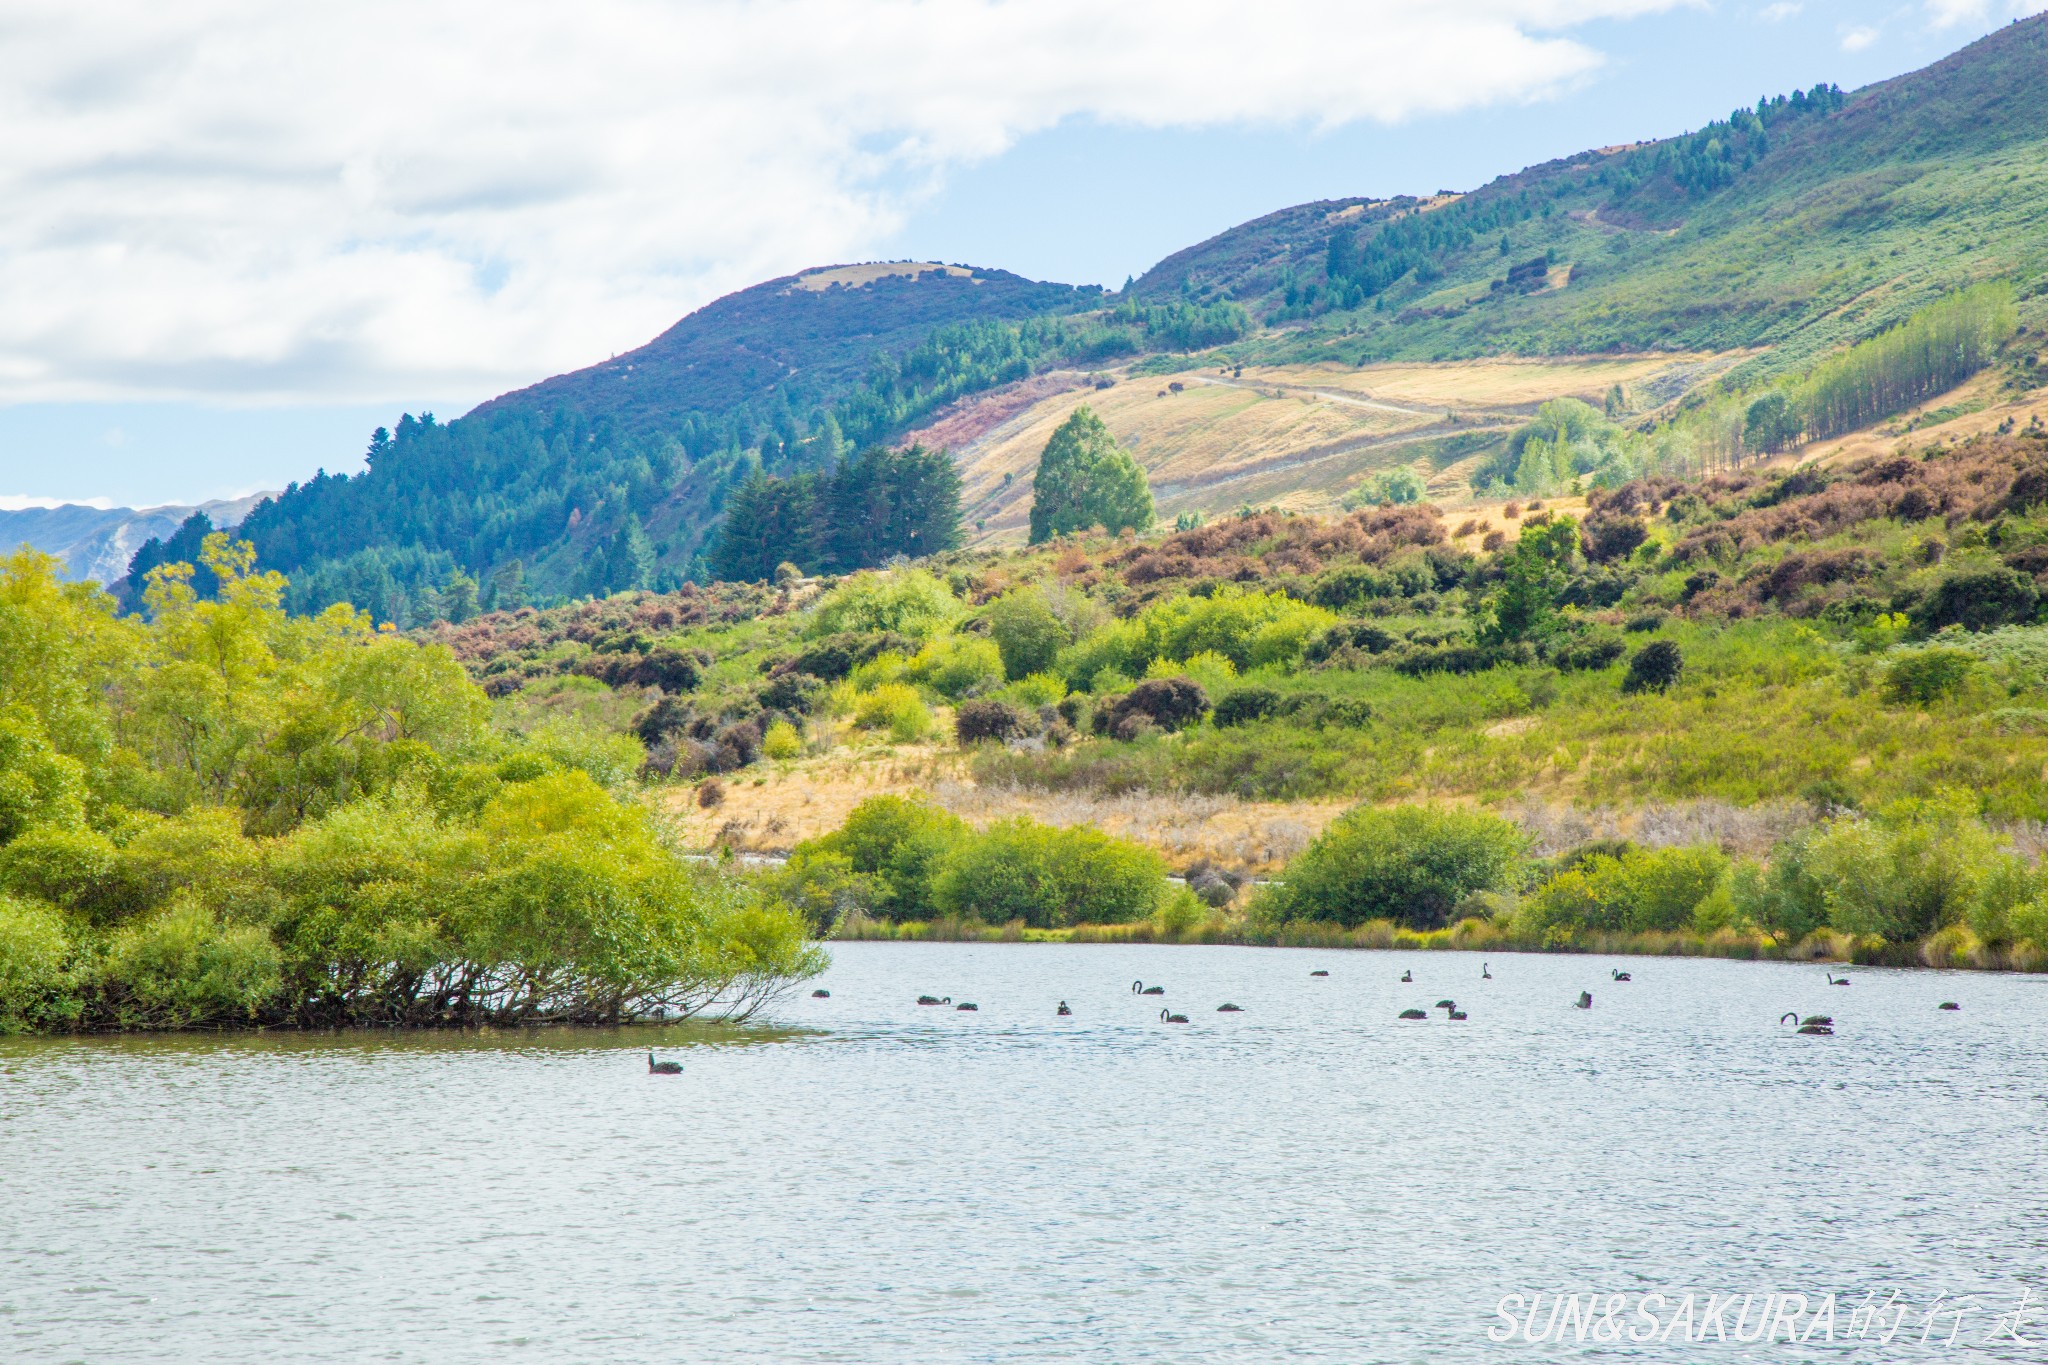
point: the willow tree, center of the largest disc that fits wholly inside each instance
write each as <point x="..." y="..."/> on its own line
<point x="1086" y="479"/>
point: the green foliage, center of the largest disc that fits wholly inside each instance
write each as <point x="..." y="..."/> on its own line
<point x="1928" y="675"/>
<point x="1086" y="479"/>
<point x="1654" y="668"/>
<point x="1050" y="877"/>
<point x="1532" y="578"/>
<point x="1914" y="868"/>
<point x="1934" y="350"/>
<point x="956" y="665"/>
<point x="1409" y="864"/>
<point x="897" y="842"/>
<point x="881" y="504"/>
<point x="1027" y="632"/>
<point x="1398" y="486"/>
<point x="34" y="955"/>
<point x="1636" y="891"/>
<point x="906" y="601"/>
<point x="896" y="708"/>
<point x="781" y="741"/>
<point x="307" y="822"/>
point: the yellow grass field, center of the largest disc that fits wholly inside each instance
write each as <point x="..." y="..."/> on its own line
<point x="1296" y="437"/>
<point x="771" y="808"/>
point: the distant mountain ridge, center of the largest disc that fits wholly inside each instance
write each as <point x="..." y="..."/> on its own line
<point x="96" y="543"/>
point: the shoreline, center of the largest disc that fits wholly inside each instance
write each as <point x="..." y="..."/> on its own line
<point x="1953" y="949"/>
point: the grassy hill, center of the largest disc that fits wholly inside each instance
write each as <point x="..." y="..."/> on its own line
<point x="1798" y="226"/>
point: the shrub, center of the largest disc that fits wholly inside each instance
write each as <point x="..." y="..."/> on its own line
<point x="710" y="794"/>
<point x="183" y="966"/>
<point x="1608" y="538"/>
<point x="782" y="741"/>
<point x="1913" y="869"/>
<point x="1027" y="634"/>
<point x="68" y="867"/>
<point x="907" y="601"/>
<point x="1243" y="705"/>
<point x="898" y="841"/>
<point x="33" y="952"/>
<point x="1655" y="667"/>
<point x="1588" y="652"/>
<point x="897" y="708"/>
<point x="953" y="666"/>
<point x="976" y="721"/>
<point x="1169" y="703"/>
<point x="1410" y="864"/>
<point x="1401" y="486"/>
<point x="835" y="656"/>
<point x="1927" y="675"/>
<point x="38" y="785"/>
<point x="1638" y="890"/>
<point x="1039" y="689"/>
<point x="1981" y="600"/>
<point x="1050" y="877"/>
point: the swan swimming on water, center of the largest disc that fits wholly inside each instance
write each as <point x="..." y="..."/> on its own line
<point x="1413" y="1014"/>
<point x="1408" y="976"/>
<point x="1171" y="1018"/>
<point x="1230" y="1009"/>
<point x="1584" y="1002"/>
<point x="1818" y="1025"/>
<point x="1142" y="989"/>
<point x="1834" y="980"/>
<point x="655" y="1068"/>
<point x="1063" y="1011"/>
<point x="1620" y="975"/>
<point x="1484" y="975"/>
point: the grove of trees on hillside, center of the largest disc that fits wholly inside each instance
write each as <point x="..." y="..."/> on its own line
<point x="880" y="504"/>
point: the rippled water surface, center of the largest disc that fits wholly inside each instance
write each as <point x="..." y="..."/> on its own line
<point x="1310" y="1180"/>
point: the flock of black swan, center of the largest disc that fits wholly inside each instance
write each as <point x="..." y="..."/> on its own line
<point x="1812" y="1025"/>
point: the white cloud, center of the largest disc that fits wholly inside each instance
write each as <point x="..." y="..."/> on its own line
<point x="1857" y="38"/>
<point x="1949" y="13"/>
<point x="1784" y="9"/>
<point x="248" y="201"/>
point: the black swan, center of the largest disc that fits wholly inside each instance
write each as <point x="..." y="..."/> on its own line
<point x="1456" y="1014"/>
<point x="821" y="995"/>
<point x="1834" y="980"/>
<point x="1170" y="1018"/>
<point x="1950" y="1005"/>
<point x="1408" y="976"/>
<point x="1484" y="975"/>
<point x="1620" y="975"/>
<point x="1142" y="989"/>
<point x="970" y="1005"/>
<point x="1319" y="972"/>
<point x="1063" y="1011"/>
<point x="1812" y="1025"/>
<point x="1230" y="1009"/>
<point x="655" y="1068"/>
<point x="934" y="1000"/>
<point x="1413" y="1014"/>
<point x="1446" y="1004"/>
<point x="1584" y="1002"/>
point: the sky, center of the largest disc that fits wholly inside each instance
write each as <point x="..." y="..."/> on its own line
<point x="235" y="236"/>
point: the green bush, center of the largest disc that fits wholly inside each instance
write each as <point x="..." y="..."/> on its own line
<point x="1655" y="667"/>
<point x="1027" y="634"/>
<point x="1050" y="877"/>
<point x="906" y="601"/>
<point x="781" y="741"/>
<point x="1243" y="705"/>
<point x="1928" y="675"/>
<point x="1085" y="479"/>
<point x="183" y="966"/>
<point x="897" y="841"/>
<point x="953" y="666"/>
<point x="1914" y="868"/>
<point x="34" y="950"/>
<point x="1410" y="864"/>
<point x="1636" y="891"/>
<point x="896" y="708"/>
<point x="74" y="868"/>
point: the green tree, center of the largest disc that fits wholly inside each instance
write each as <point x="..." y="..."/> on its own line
<point x="1533" y="575"/>
<point x="1086" y="479"/>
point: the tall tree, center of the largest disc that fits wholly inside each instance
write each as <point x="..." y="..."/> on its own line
<point x="1086" y="479"/>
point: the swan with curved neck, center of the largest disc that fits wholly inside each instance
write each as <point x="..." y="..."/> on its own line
<point x="655" y="1068"/>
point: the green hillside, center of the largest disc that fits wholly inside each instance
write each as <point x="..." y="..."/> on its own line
<point x="1799" y="225"/>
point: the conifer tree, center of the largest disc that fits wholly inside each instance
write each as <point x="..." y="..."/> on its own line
<point x="1086" y="479"/>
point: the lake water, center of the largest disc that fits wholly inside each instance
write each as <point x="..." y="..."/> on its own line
<point x="1310" y="1180"/>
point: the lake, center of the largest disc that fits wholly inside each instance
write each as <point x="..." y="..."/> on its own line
<point x="870" y="1180"/>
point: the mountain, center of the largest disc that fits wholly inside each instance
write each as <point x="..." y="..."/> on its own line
<point x="96" y="543"/>
<point x="1730" y="257"/>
